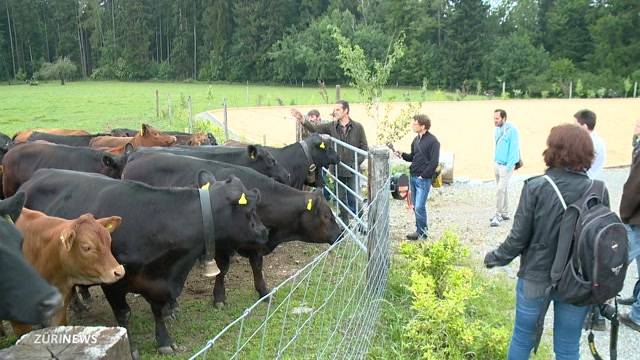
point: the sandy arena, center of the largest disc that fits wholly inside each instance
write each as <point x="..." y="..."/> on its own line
<point x="466" y="127"/>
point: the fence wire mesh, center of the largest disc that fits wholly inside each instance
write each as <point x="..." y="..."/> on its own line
<point x="327" y="309"/>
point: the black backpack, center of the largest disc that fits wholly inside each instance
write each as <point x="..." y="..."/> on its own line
<point x="591" y="261"/>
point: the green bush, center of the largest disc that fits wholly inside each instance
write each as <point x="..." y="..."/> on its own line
<point x="449" y="322"/>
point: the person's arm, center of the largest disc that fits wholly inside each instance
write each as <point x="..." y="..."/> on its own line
<point x="630" y="201"/>
<point x="514" y="148"/>
<point x="434" y="158"/>
<point x="408" y="157"/>
<point x="317" y="128"/>
<point x="520" y="235"/>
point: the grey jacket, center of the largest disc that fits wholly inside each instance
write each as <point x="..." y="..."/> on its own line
<point x="354" y="136"/>
<point x="534" y="235"/>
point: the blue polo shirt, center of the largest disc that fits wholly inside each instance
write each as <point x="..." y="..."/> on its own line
<point x="507" y="143"/>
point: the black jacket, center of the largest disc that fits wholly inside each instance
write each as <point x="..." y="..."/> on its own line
<point x="536" y="225"/>
<point x="630" y="202"/>
<point x="354" y="136"/>
<point x="424" y="156"/>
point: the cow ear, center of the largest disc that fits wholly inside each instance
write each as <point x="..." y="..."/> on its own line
<point x="108" y="161"/>
<point x="13" y="205"/>
<point x="252" y="150"/>
<point x="67" y="236"/>
<point x="143" y="130"/>
<point x="205" y="177"/>
<point x="128" y="149"/>
<point x="110" y="223"/>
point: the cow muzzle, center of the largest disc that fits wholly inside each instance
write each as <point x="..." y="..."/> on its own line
<point x="114" y="275"/>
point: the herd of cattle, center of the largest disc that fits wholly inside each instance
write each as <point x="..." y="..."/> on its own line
<point x="131" y="211"/>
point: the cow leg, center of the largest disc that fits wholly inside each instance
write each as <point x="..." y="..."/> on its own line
<point x="255" y="260"/>
<point x="80" y="299"/>
<point x="219" y="295"/>
<point x="117" y="298"/>
<point x="163" y="339"/>
<point x="170" y="311"/>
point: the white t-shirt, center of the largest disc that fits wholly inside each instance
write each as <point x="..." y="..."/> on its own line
<point x="599" y="158"/>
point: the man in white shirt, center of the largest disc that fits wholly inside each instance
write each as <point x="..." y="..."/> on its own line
<point x="587" y="119"/>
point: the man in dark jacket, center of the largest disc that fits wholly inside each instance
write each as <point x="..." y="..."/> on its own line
<point x="351" y="132"/>
<point x="630" y="215"/>
<point x="424" y="157"/>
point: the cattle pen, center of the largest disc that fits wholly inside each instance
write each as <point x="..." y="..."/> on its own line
<point x="328" y="308"/>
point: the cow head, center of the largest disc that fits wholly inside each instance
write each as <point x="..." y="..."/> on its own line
<point x="318" y="220"/>
<point x="148" y="136"/>
<point x="24" y="295"/>
<point x="237" y="218"/>
<point x="266" y="164"/>
<point x="86" y="250"/>
<point x="321" y="151"/>
<point x="112" y="165"/>
<point x="198" y="139"/>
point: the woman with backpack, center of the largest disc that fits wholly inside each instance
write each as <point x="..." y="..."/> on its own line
<point x="534" y="237"/>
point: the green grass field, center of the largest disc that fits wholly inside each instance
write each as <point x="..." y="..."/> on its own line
<point x="97" y="105"/>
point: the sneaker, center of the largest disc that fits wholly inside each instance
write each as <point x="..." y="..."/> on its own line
<point x="505" y="217"/>
<point x="416" y="236"/>
<point x="627" y="301"/>
<point x="495" y="221"/>
<point x="626" y="319"/>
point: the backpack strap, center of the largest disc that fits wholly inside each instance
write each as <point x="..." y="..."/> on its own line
<point x="555" y="187"/>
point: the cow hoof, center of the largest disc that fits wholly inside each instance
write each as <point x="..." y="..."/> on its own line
<point x="166" y="350"/>
<point x="219" y="304"/>
<point x="178" y="348"/>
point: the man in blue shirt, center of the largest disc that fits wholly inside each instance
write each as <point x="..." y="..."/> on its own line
<point x="506" y="156"/>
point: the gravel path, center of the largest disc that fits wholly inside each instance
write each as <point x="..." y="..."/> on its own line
<point x="467" y="208"/>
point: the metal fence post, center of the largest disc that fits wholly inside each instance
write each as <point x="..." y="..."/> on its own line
<point x="378" y="174"/>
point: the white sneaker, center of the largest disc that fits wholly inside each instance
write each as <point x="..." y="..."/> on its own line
<point x="495" y="221"/>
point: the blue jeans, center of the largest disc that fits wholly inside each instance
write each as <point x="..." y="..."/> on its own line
<point x="633" y="233"/>
<point x="567" y="327"/>
<point x="345" y="196"/>
<point x="419" y="195"/>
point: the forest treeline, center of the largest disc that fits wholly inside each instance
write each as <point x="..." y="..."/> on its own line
<point x="536" y="47"/>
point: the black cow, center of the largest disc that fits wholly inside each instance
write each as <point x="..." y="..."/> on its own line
<point x="23" y="160"/>
<point x="161" y="235"/>
<point x="71" y="140"/>
<point x="24" y="295"/>
<point x="252" y="156"/>
<point x="289" y="214"/>
<point x="305" y="158"/>
<point x="5" y="143"/>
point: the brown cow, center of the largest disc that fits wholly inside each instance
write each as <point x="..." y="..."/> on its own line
<point x="148" y="136"/>
<point x="68" y="252"/>
<point x="22" y="136"/>
<point x="193" y="139"/>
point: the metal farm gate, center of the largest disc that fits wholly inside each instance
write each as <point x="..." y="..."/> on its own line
<point x="329" y="308"/>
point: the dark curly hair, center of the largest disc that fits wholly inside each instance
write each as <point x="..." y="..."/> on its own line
<point x="569" y="146"/>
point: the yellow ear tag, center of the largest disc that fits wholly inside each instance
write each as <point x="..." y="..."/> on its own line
<point x="205" y="186"/>
<point x="322" y="145"/>
<point x="109" y="226"/>
<point x="243" y="200"/>
<point x="253" y="157"/>
<point x="309" y="204"/>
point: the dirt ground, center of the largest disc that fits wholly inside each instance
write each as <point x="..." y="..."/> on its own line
<point x="465" y="128"/>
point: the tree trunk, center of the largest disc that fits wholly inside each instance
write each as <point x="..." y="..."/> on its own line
<point x="13" y="60"/>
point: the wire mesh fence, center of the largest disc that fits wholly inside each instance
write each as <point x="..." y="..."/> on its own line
<point x="328" y="308"/>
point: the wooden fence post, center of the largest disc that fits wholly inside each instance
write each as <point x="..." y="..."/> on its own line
<point x="190" y="116"/>
<point x="377" y="246"/>
<point x="226" y="125"/>
<point x="157" y="105"/>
